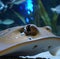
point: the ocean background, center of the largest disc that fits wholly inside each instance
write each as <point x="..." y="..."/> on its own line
<point x="30" y="12"/>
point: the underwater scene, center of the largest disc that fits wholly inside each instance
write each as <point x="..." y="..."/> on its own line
<point x="38" y="12"/>
<point x="42" y="13"/>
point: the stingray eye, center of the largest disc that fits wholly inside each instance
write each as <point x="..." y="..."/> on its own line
<point x="31" y="30"/>
<point x="48" y="28"/>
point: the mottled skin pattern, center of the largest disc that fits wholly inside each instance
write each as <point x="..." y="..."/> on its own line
<point x="11" y="40"/>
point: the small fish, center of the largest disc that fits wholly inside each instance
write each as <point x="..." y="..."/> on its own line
<point x="8" y="22"/>
<point x="1" y="5"/>
<point x="56" y="9"/>
<point x="9" y="4"/>
<point x="15" y="2"/>
<point x="18" y="2"/>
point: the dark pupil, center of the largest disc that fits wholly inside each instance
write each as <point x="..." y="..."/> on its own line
<point x="28" y="28"/>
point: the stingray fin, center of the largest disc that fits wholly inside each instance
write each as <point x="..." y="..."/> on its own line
<point x="54" y="51"/>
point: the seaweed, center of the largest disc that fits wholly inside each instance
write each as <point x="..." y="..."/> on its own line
<point x="45" y="17"/>
<point x="19" y="16"/>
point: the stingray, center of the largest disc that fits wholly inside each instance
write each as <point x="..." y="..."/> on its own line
<point x="15" y="42"/>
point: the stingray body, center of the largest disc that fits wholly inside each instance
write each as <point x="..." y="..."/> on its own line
<point x="14" y="42"/>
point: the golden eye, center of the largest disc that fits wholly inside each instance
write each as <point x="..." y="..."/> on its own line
<point x="34" y="31"/>
<point x="31" y="30"/>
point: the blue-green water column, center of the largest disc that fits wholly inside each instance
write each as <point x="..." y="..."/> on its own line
<point x="29" y="8"/>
